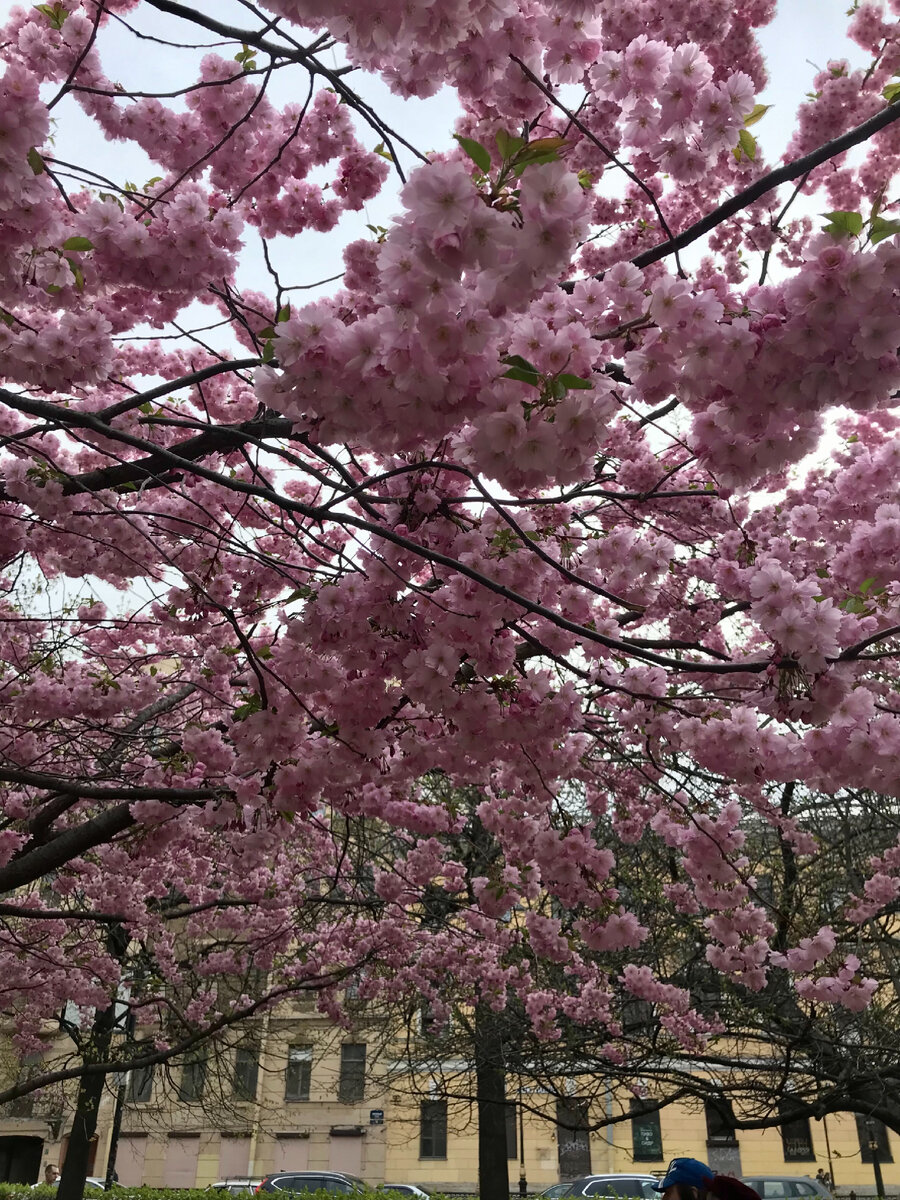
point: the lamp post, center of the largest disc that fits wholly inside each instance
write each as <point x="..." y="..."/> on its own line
<point x="523" y="1182"/>
<point x="876" y="1162"/>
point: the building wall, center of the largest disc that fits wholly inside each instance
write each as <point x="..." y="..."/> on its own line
<point x="168" y="1142"/>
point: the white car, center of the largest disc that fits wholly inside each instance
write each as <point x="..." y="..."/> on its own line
<point x="405" y="1189"/>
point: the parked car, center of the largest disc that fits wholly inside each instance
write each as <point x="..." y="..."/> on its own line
<point x="405" y="1189"/>
<point x="554" y="1191"/>
<point x="782" y="1187"/>
<point x="92" y="1181"/>
<point x="312" y="1181"/>
<point x="236" y="1187"/>
<point x="614" y="1185"/>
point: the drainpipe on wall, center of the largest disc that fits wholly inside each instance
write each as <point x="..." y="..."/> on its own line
<point x="610" y="1148"/>
<point x="262" y="1068"/>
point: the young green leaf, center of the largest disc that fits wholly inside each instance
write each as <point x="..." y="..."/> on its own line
<point x="756" y="114"/>
<point x="77" y="243"/>
<point x="882" y="228"/>
<point x="516" y="360"/>
<point x="508" y="145"/>
<point x="529" y="377"/>
<point x="478" y="153"/>
<point x="35" y="161"/>
<point x="842" y="223"/>
<point x="575" y="382"/>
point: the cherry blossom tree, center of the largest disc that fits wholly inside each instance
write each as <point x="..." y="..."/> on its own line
<point x="579" y="483"/>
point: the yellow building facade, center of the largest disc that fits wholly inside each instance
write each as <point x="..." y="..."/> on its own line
<point x="298" y="1093"/>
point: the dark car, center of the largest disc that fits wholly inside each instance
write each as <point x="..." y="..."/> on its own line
<point x="614" y="1185"/>
<point x="787" y="1187"/>
<point x="312" y="1181"/>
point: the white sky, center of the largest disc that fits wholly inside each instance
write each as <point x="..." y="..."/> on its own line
<point x="803" y="36"/>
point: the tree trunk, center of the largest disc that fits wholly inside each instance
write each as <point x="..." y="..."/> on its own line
<point x="95" y="1049"/>
<point x="490" y="1084"/>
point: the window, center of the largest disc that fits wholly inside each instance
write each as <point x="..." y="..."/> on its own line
<point x="720" y="1123"/>
<point x="352" y="1085"/>
<point x="246" y="1072"/>
<point x="193" y="1079"/>
<point x="433" y="1129"/>
<point x="140" y="1085"/>
<point x="646" y="1135"/>
<point x="796" y="1138"/>
<point x="297" y="1075"/>
<point x="869" y="1129"/>
<point x="512" y="1144"/>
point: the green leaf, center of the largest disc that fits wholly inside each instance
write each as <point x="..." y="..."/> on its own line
<point x="380" y="150"/>
<point x="56" y="14"/>
<point x="575" y="382"/>
<point x="545" y="145"/>
<point x="77" y="243"/>
<point x="842" y="223"/>
<point x="529" y="377"/>
<point x="253" y="704"/>
<point x="267" y="333"/>
<point x="35" y="161"/>
<point x="881" y="228"/>
<point x="284" y="314"/>
<point x="516" y="360"/>
<point x="508" y="145"/>
<point x="479" y="155"/>
<point x="756" y="114"/>
<point x="78" y="273"/>
<point x="746" y="147"/>
<point x="146" y="408"/>
<point x="110" y="196"/>
<point x="891" y="93"/>
<point x="537" y="160"/>
<point x="268" y="352"/>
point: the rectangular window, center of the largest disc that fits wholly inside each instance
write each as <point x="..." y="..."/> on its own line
<point x="512" y="1122"/>
<point x="297" y="1075"/>
<point x="871" y="1129"/>
<point x="140" y="1085"/>
<point x="193" y="1079"/>
<point x="720" y="1123"/>
<point x="246" y="1072"/>
<point x="646" y="1135"/>
<point x="796" y="1139"/>
<point x="433" y="1129"/>
<point x="352" y="1085"/>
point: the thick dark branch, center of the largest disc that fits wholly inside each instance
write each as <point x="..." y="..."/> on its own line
<point x="800" y="166"/>
<point x="87" y="791"/>
<point x="220" y="439"/>
<point x="174" y="385"/>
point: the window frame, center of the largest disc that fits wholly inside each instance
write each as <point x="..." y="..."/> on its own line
<point x="433" y="1129"/>
<point x="299" y="1055"/>
<point x="352" y="1078"/>
<point x="246" y="1069"/>
<point x="140" y="1092"/>
<point x="641" y="1117"/>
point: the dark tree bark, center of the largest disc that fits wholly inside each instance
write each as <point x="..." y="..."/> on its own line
<point x="490" y="1090"/>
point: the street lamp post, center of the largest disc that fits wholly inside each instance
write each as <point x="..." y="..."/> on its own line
<point x="523" y="1182"/>
<point x="876" y="1162"/>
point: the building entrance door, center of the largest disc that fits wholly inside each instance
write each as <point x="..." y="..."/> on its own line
<point x="573" y="1139"/>
<point x="20" y="1159"/>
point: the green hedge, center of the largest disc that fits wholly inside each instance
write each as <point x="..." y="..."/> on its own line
<point x="18" y="1191"/>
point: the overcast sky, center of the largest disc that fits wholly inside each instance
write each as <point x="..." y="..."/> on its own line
<point x="803" y="36"/>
